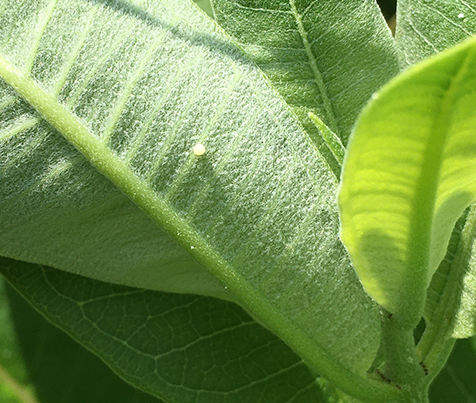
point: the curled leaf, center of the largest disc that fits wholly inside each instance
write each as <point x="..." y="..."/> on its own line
<point x="409" y="173"/>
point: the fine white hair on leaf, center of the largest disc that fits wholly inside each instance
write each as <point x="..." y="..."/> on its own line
<point x="199" y="149"/>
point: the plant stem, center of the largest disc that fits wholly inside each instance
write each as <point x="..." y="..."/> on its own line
<point x="402" y="366"/>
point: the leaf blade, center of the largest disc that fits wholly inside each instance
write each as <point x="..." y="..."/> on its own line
<point x="146" y="129"/>
<point x="420" y="182"/>
<point x="420" y="23"/>
<point x="322" y="57"/>
<point x="177" y="347"/>
<point x="58" y="367"/>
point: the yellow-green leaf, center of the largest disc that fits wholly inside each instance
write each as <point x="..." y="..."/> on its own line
<point x="409" y="173"/>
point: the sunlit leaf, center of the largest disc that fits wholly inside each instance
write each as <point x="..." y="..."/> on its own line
<point x="409" y="174"/>
<point x="426" y="27"/>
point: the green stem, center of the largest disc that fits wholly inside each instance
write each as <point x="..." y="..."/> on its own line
<point x="402" y="366"/>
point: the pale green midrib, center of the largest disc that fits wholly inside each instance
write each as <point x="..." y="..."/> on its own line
<point x="420" y="236"/>
<point x="315" y="69"/>
<point x="143" y="196"/>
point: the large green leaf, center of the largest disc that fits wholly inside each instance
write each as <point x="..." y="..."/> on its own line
<point x="59" y="368"/>
<point x="325" y="57"/>
<point x="408" y="176"/>
<point x="182" y="348"/>
<point x="426" y="27"/>
<point x="134" y="86"/>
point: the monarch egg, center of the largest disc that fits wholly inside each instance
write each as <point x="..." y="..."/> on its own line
<point x="199" y="149"/>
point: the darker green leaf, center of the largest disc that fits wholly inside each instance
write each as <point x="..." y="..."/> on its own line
<point x="178" y="347"/>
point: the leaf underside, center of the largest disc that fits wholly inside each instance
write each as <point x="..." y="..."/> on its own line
<point x="324" y="57"/>
<point x="422" y="22"/>
<point x="142" y="84"/>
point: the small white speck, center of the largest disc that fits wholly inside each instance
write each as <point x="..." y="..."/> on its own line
<point x="192" y="247"/>
<point x="460" y="15"/>
<point x="199" y="149"/>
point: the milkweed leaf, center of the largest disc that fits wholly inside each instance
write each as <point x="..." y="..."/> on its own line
<point x="102" y="103"/>
<point x="409" y="173"/>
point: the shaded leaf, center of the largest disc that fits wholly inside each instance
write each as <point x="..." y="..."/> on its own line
<point x="15" y="386"/>
<point x="182" y="348"/>
<point x="455" y="383"/>
<point x="464" y="295"/>
<point x="60" y="369"/>
<point x="408" y="176"/>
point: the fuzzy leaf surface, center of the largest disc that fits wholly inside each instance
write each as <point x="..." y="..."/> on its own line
<point x="325" y="57"/>
<point x="422" y="22"/>
<point x="98" y="176"/>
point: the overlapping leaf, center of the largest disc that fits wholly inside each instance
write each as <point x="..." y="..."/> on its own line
<point x="325" y="57"/>
<point x="59" y="369"/>
<point x="409" y="174"/>
<point x="181" y="348"/>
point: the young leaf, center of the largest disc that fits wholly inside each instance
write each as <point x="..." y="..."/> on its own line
<point x="451" y="292"/>
<point x="97" y="161"/>
<point x="332" y="141"/>
<point x="410" y="171"/>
